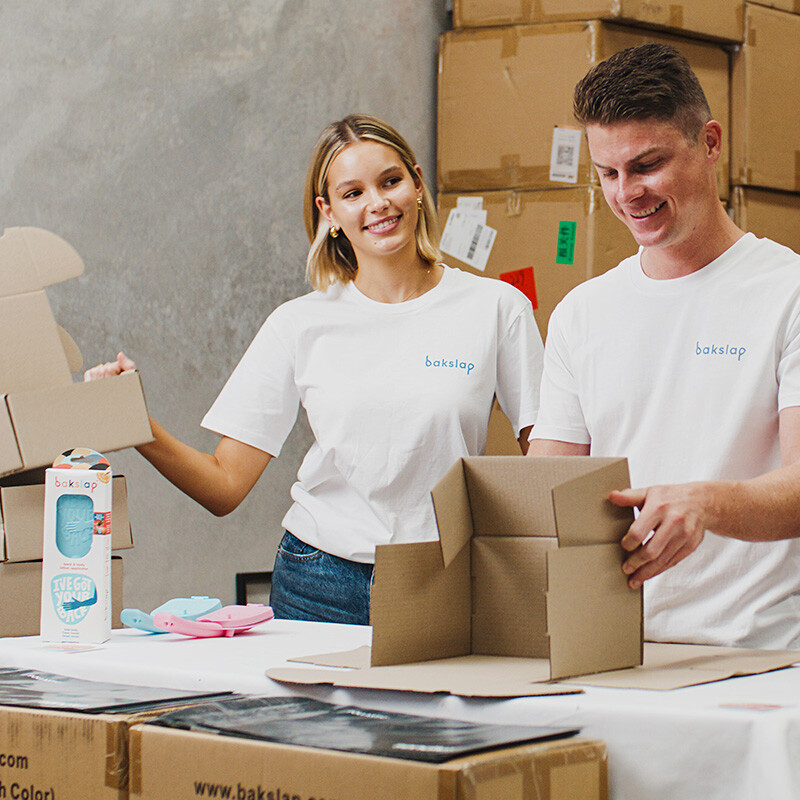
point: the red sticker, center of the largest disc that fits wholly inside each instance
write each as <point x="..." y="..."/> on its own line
<point x="524" y="281"/>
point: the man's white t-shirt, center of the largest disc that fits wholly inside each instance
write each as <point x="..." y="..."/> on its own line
<point x="686" y="378"/>
<point x="394" y="393"/>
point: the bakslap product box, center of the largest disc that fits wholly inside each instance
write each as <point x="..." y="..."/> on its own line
<point x="76" y="570"/>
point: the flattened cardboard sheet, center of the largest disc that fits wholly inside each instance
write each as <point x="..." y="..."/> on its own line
<point x="467" y="676"/>
<point x="666" y="666"/>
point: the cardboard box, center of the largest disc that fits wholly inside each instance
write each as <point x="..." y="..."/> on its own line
<point x="547" y="241"/>
<point x="43" y="413"/>
<point x="183" y="764"/>
<point x="775" y="215"/>
<point x="527" y="566"/>
<point x="721" y="19"/>
<point x="505" y="94"/>
<point x="22" y="519"/>
<point x="21" y="597"/>
<point x="76" y="555"/>
<point x="62" y="755"/>
<point x="765" y="107"/>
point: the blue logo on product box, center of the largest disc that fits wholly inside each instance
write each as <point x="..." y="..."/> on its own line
<point x="72" y="596"/>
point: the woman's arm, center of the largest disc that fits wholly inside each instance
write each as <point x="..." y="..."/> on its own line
<point x="218" y="481"/>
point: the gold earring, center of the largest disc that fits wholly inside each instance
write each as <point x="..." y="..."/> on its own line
<point x="419" y="202"/>
<point x="334" y="232"/>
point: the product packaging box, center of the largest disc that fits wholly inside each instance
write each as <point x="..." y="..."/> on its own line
<point x="545" y="242"/>
<point x="765" y="105"/>
<point x="719" y="19"/>
<point x="21" y="597"/>
<point x="22" y="517"/>
<point x="43" y="412"/>
<point x="505" y="101"/>
<point x="775" y="215"/>
<point x="185" y="764"/>
<point x="76" y="571"/>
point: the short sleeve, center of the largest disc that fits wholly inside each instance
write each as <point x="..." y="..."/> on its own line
<point x="519" y="370"/>
<point x="788" y="373"/>
<point x="560" y="417"/>
<point x="258" y="404"/>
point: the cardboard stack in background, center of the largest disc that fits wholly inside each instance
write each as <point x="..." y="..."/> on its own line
<point x="506" y="78"/>
<point x="43" y="413"/>
<point x="765" y="123"/>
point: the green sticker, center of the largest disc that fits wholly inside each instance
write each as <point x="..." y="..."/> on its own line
<point x="565" y="249"/>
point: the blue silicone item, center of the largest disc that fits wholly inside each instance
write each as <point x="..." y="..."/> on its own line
<point x="74" y="525"/>
<point x="183" y="607"/>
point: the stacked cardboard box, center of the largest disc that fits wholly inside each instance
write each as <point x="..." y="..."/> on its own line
<point x="765" y="112"/>
<point x="518" y="197"/>
<point x="43" y="413"/>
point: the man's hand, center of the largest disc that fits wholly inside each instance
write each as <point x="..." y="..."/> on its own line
<point x="671" y="524"/>
<point x="110" y="368"/>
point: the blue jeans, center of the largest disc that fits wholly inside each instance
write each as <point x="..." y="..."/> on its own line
<point x="310" y="584"/>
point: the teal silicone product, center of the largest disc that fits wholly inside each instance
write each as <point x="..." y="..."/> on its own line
<point x="74" y="525"/>
<point x="183" y="607"/>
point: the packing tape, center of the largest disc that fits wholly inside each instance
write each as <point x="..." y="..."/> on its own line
<point x="134" y="762"/>
<point x="676" y="16"/>
<point x="514" y="204"/>
<point x="509" y="42"/>
<point x="116" y="755"/>
<point x="509" y="176"/>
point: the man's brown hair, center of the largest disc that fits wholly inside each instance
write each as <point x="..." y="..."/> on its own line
<point x="651" y="81"/>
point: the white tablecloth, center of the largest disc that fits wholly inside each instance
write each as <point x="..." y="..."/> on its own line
<point x="738" y="738"/>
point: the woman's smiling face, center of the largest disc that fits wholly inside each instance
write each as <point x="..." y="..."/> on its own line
<point x="373" y="199"/>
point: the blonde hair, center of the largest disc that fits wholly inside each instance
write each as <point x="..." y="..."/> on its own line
<point x="332" y="260"/>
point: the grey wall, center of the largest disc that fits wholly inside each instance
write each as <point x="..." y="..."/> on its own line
<point x="168" y="141"/>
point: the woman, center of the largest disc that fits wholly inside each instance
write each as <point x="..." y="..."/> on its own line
<point x="396" y="360"/>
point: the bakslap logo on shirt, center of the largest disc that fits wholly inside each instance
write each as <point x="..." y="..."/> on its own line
<point x="449" y="363"/>
<point x="720" y="350"/>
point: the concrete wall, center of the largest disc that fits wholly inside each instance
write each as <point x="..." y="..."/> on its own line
<point x="168" y="142"/>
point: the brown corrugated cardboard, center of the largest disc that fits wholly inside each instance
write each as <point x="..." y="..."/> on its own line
<point x="530" y="229"/>
<point x="60" y="755"/>
<point x="22" y="514"/>
<point x="43" y="413"/>
<point x="21" y="597"/>
<point x="505" y="92"/>
<point x="765" y="108"/>
<point x="773" y="214"/>
<point x="666" y="666"/>
<point x="708" y="18"/>
<point x="182" y="764"/>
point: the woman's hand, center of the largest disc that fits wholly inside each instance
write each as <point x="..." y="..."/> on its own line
<point x="110" y="368"/>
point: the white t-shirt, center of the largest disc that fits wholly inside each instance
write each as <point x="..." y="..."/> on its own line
<point x="394" y="393"/>
<point x="686" y="377"/>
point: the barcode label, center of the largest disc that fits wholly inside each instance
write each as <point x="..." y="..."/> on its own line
<point x="467" y="237"/>
<point x="565" y="155"/>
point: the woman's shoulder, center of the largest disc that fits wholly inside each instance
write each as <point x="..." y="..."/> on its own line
<point x="483" y="287"/>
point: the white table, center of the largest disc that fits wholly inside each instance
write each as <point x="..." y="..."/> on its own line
<point x="732" y="739"/>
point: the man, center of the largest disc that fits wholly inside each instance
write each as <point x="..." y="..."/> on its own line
<point x="685" y="358"/>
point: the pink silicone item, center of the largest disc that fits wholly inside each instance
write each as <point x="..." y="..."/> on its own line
<point x="225" y="621"/>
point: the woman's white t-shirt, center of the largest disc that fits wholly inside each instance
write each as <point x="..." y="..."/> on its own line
<point x="394" y="394"/>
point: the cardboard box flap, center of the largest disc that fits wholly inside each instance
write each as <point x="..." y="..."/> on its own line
<point x="32" y="258"/>
<point x="419" y="610"/>
<point x="673" y="666"/>
<point x="593" y="618"/>
<point x="466" y="676"/>
<point x="512" y="495"/>
<point x="71" y="351"/>
<point x="452" y="509"/>
<point x="584" y="515"/>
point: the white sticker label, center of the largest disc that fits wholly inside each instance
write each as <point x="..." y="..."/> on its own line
<point x="467" y="237"/>
<point x="565" y="155"/>
<point x="470" y="203"/>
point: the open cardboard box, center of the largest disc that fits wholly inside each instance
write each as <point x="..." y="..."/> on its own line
<point x="523" y="589"/>
<point x="43" y="412"/>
